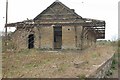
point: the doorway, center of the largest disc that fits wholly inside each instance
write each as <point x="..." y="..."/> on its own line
<point x="57" y="37"/>
<point x="31" y="41"/>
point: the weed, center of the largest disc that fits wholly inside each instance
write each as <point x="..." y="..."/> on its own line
<point x="31" y="65"/>
<point x="63" y="67"/>
<point x="81" y="76"/>
<point x="94" y="55"/>
<point x="113" y="67"/>
<point x="24" y="51"/>
<point x="114" y="63"/>
<point x="109" y="73"/>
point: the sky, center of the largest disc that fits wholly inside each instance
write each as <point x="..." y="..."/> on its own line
<point x="19" y="10"/>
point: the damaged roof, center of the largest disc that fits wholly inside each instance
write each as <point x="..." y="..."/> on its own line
<point x="57" y="10"/>
<point x="58" y="13"/>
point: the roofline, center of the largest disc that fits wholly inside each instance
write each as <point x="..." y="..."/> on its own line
<point x="60" y="4"/>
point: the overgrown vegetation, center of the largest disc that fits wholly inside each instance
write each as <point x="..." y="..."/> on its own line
<point x="81" y="76"/>
<point x="8" y="45"/>
<point x="33" y="62"/>
<point x="114" y="66"/>
<point x="38" y="61"/>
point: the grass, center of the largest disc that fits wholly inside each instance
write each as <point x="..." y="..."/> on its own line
<point x="31" y="63"/>
<point x="63" y="67"/>
<point x="81" y="76"/>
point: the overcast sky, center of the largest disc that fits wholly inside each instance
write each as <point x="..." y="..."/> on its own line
<point x="107" y="10"/>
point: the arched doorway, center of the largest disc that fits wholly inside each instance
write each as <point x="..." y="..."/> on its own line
<point x="31" y="41"/>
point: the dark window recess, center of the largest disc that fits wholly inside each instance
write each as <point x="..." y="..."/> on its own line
<point x="57" y="37"/>
<point x="31" y="41"/>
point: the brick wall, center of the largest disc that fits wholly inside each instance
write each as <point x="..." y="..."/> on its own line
<point x="20" y="38"/>
<point x="44" y="37"/>
<point x="68" y="37"/>
<point x="46" y="40"/>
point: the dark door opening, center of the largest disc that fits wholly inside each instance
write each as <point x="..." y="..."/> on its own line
<point x="31" y="41"/>
<point x="57" y="37"/>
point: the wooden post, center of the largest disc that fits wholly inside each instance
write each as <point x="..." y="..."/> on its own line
<point x="82" y="38"/>
<point x="6" y="23"/>
<point x="75" y="37"/>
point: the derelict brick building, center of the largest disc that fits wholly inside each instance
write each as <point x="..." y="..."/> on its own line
<point x="57" y="27"/>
